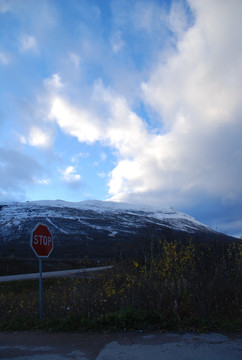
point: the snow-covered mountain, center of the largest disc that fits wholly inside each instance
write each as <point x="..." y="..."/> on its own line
<point x="93" y="228"/>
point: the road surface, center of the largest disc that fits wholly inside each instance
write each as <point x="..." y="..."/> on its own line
<point x="52" y="274"/>
<point x="119" y="346"/>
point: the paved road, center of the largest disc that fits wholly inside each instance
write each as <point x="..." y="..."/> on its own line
<point x="52" y="274"/>
<point x="121" y="346"/>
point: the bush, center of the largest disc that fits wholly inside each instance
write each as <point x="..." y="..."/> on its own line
<point x="184" y="284"/>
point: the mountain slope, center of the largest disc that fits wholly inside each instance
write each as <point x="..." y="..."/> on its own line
<point x="93" y="228"/>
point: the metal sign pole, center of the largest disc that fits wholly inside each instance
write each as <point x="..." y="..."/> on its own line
<point x="41" y="241"/>
<point x="40" y="289"/>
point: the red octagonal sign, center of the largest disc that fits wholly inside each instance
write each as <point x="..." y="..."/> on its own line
<point x="41" y="241"/>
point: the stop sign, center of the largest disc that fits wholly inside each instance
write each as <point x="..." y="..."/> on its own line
<point x="41" y="241"/>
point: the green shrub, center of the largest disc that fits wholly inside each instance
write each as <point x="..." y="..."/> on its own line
<point x="183" y="285"/>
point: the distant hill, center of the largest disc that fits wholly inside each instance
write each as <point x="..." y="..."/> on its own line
<point x="97" y="229"/>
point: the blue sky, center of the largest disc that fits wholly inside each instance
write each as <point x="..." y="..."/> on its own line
<point x="136" y="101"/>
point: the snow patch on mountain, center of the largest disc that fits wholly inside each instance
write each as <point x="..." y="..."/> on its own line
<point x="84" y="212"/>
<point x="57" y="227"/>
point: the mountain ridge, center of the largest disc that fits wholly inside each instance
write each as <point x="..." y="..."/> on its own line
<point x="93" y="227"/>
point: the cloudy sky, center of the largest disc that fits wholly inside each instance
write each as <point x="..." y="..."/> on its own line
<point x="136" y="101"/>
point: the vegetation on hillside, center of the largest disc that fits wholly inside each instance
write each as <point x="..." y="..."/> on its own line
<point x="175" y="284"/>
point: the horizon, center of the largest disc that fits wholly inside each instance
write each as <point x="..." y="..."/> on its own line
<point x="122" y="205"/>
<point x="136" y="102"/>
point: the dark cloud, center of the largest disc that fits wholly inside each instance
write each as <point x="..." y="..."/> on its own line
<point x="17" y="172"/>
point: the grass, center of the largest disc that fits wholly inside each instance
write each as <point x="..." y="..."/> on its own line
<point x="122" y="320"/>
<point x="19" y="314"/>
<point x="183" y="288"/>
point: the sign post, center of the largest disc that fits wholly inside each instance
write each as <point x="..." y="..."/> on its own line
<point x="40" y="289"/>
<point x="41" y="242"/>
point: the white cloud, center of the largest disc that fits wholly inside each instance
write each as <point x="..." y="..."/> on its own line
<point x="177" y="19"/>
<point x="75" y="121"/>
<point x="123" y="129"/>
<point x="40" y="137"/>
<point x="42" y="181"/>
<point x="195" y="90"/>
<point x="197" y="94"/>
<point x="76" y="157"/>
<point x="54" y="83"/>
<point x="101" y="174"/>
<point x="69" y="175"/>
<point x="28" y="42"/>
<point x="111" y="121"/>
<point x="21" y="138"/>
